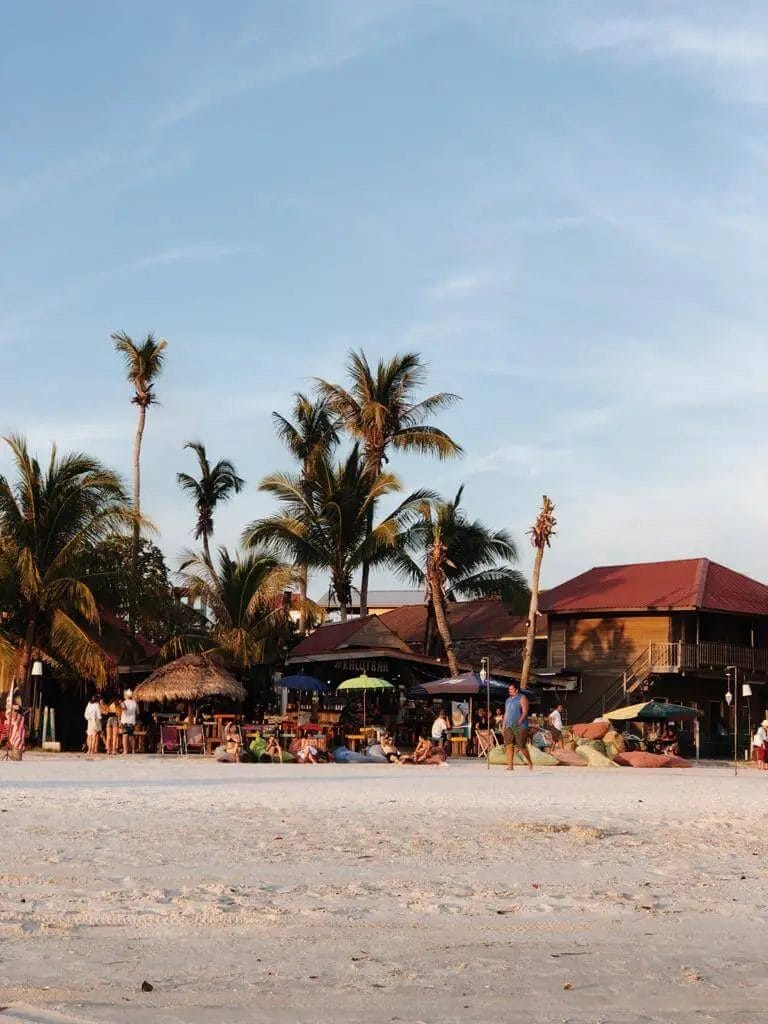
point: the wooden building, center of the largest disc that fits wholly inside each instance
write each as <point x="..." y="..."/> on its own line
<point x="662" y="629"/>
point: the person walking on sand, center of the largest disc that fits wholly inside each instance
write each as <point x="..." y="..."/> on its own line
<point x="93" y="724"/>
<point x="130" y="710"/>
<point x="760" y="745"/>
<point x="555" y="719"/>
<point x="516" y="727"/>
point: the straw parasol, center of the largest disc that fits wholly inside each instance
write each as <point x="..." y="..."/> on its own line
<point x="192" y="677"/>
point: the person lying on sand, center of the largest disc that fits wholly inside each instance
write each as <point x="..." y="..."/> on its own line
<point x="306" y="754"/>
<point x="425" y="753"/>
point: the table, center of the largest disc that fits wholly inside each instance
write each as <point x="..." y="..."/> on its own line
<point x="355" y="740"/>
<point x="458" y="746"/>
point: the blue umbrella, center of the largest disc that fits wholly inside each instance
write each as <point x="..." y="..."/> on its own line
<point x="309" y="683"/>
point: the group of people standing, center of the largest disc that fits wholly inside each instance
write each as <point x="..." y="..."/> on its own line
<point x="110" y="719"/>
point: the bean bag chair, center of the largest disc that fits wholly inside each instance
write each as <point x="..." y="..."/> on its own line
<point x="597" y="745"/>
<point x="642" y="759"/>
<point x="594" y="758"/>
<point x="375" y="753"/>
<point x="345" y="756"/>
<point x="570" y="758"/>
<point x="539" y="757"/>
<point x="591" y="730"/>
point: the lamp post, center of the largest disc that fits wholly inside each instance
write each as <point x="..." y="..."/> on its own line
<point x="485" y="677"/>
<point x="37" y="688"/>
<point x="746" y="693"/>
<point x="731" y="675"/>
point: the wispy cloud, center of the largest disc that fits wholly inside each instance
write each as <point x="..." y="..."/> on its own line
<point x="183" y="253"/>
<point x="337" y="34"/>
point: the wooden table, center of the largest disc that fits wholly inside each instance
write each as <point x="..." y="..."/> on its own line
<point x="355" y="740"/>
<point x="458" y="746"/>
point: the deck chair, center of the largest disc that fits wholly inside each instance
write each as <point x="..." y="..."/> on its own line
<point x="195" y="739"/>
<point x="486" y="741"/>
<point x="170" y="740"/>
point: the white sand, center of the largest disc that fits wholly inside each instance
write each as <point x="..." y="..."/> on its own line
<point x="366" y="893"/>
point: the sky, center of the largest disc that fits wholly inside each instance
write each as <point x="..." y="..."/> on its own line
<point x="561" y="204"/>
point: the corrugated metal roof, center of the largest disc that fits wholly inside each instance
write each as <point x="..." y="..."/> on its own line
<point x="468" y="620"/>
<point x="685" y="584"/>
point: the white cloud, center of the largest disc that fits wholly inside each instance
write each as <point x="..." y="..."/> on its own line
<point x="185" y="252"/>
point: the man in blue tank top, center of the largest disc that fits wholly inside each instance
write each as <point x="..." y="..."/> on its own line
<point x="516" y="726"/>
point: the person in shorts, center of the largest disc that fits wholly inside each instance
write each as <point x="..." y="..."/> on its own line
<point x="555" y="721"/>
<point x="128" y="714"/>
<point x="515" y="730"/>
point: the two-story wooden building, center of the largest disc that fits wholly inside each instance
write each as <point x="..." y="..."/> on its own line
<point x="663" y="629"/>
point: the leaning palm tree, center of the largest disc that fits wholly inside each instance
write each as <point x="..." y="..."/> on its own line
<point x="381" y="410"/>
<point x="453" y="556"/>
<point x="143" y="364"/>
<point x="242" y="596"/>
<point x="48" y="518"/>
<point x="313" y="433"/>
<point x="216" y="484"/>
<point x="541" y="534"/>
<point x="324" y="520"/>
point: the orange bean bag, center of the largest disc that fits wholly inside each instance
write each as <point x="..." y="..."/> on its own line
<point x="642" y="759"/>
<point x="570" y="758"/>
<point x="591" y="730"/>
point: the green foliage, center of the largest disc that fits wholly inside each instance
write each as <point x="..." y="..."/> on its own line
<point x="216" y="484"/>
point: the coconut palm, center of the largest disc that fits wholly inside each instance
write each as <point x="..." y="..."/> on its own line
<point x="313" y="433"/>
<point x="217" y="484"/>
<point x="143" y="364"/>
<point x="48" y="518"/>
<point x="453" y="556"/>
<point x="541" y="534"/>
<point x="324" y="521"/>
<point x="381" y="410"/>
<point x="242" y="595"/>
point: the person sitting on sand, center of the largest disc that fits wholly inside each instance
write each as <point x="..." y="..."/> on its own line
<point x="389" y="750"/>
<point x="425" y="753"/>
<point x="306" y="754"/>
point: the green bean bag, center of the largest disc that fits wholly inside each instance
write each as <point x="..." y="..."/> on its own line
<point x="539" y="757"/>
<point x="594" y="758"/>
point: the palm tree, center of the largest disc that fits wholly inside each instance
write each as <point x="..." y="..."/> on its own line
<point x="324" y="522"/>
<point x="216" y="484"/>
<point x="452" y="556"/>
<point x="313" y="433"/>
<point x="143" y="364"/>
<point x="541" y="534"/>
<point x="381" y="411"/>
<point x="242" y="595"/>
<point x="48" y="518"/>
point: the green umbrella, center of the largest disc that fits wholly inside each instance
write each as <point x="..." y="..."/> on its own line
<point x="364" y="683"/>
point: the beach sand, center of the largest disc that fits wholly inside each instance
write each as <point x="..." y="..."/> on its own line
<point x="381" y="893"/>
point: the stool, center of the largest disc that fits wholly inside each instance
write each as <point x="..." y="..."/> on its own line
<point x="140" y="741"/>
<point x="458" y="746"/>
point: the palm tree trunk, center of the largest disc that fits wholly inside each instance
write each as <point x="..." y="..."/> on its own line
<point x="25" y="669"/>
<point x="137" y="510"/>
<point x="533" y="609"/>
<point x="441" y="618"/>
<point x="206" y="549"/>
<point x="303" y="574"/>
<point x="342" y="611"/>
<point x="366" y="569"/>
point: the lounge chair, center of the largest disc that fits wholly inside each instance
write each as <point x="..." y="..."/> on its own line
<point x="486" y="741"/>
<point x="170" y="740"/>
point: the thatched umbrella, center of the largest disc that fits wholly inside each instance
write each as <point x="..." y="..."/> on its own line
<point x="193" y="677"/>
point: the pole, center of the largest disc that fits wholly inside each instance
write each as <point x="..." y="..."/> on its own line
<point x="697" y="738"/>
<point x="485" y="675"/>
<point x="735" y="721"/>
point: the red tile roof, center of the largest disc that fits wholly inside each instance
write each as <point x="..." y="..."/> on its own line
<point x="469" y="620"/>
<point x="687" y="584"/>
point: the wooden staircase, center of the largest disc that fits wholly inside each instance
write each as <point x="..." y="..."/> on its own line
<point x="631" y="683"/>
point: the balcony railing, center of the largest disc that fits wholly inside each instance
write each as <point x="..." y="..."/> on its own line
<point x="679" y="657"/>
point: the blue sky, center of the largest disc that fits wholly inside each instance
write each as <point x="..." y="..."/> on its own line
<point x="562" y="204"/>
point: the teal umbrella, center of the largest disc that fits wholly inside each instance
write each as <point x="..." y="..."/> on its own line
<point x="364" y="683"/>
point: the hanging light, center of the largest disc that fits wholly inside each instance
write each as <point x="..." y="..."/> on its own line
<point x="728" y="698"/>
<point x="746" y="690"/>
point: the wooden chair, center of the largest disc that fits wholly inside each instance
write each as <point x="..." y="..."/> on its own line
<point x="486" y="741"/>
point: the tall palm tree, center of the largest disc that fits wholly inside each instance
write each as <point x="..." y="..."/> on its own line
<point x="453" y="556"/>
<point x="324" y="521"/>
<point x="216" y="484"/>
<point x="380" y="410"/>
<point x="541" y="534"/>
<point x="48" y="517"/>
<point x="143" y="364"/>
<point x="313" y="433"/>
<point x="242" y="595"/>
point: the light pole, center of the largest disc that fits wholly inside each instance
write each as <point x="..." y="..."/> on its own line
<point x="485" y="677"/>
<point x="731" y="675"/>
<point x="37" y="691"/>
